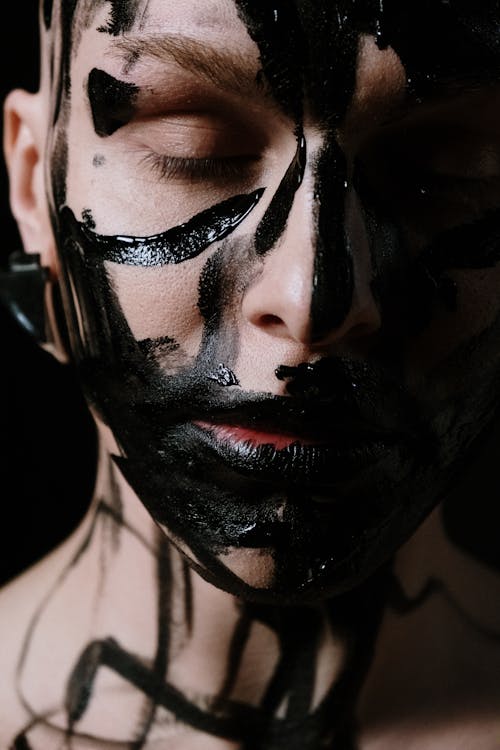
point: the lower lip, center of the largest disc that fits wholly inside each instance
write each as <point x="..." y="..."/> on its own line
<point x="233" y="434"/>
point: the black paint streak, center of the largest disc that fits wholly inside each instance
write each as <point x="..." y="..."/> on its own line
<point x="112" y="102"/>
<point x="333" y="276"/>
<point x="275" y="219"/>
<point x="21" y="743"/>
<point x="48" y="6"/>
<point x="402" y="604"/>
<point x="174" y="246"/>
<point x="276" y="30"/>
<point x="123" y="16"/>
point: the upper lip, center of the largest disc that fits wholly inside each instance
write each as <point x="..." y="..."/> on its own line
<point x="321" y="421"/>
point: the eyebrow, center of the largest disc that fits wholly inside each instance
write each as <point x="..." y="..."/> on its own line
<point x="229" y="71"/>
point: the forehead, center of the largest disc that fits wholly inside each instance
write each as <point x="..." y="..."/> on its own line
<point x="313" y="45"/>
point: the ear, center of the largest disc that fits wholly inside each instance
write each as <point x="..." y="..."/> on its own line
<point x="24" y="142"/>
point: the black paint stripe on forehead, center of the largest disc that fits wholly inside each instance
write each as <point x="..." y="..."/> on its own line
<point x="123" y="16"/>
<point x="172" y="247"/>
<point x="275" y="28"/>
<point x="112" y="102"/>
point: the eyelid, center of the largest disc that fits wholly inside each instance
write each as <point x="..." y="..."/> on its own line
<point x="198" y="168"/>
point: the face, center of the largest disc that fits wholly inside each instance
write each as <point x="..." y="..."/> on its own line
<point x="278" y="231"/>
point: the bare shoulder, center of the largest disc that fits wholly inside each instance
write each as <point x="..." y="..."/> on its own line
<point x="18" y="603"/>
<point x="16" y="607"/>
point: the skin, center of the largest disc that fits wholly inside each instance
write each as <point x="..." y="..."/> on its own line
<point x="283" y="308"/>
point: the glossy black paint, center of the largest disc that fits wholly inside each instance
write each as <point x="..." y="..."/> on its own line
<point x="176" y="245"/>
<point x="112" y="102"/>
<point x="317" y="61"/>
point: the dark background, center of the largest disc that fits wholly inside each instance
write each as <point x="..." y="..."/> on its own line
<point x="47" y="443"/>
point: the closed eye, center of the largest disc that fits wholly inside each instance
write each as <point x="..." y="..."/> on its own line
<point x="193" y="169"/>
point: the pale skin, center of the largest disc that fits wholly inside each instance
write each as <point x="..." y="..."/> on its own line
<point x="433" y="679"/>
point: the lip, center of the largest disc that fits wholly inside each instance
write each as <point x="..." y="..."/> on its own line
<point x="235" y="434"/>
<point x="317" y="462"/>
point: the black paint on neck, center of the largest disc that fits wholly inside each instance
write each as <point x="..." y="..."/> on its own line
<point x="48" y="7"/>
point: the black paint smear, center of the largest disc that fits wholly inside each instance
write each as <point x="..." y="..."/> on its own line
<point x="275" y="219"/>
<point x="183" y="242"/>
<point x="275" y="28"/>
<point x="333" y="275"/>
<point x="233" y="721"/>
<point x="238" y="642"/>
<point x="21" y="743"/>
<point x="99" y="160"/>
<point x="299" y="638"/>
<point x="112" y="102"/>
<point x="398" y="601"/>
<point x="123" y="15"/>
<point x="48" y="6"/>
<point x="165" y="588"/>
<point x="88" y="219"/>
<point x="207" y="502"/>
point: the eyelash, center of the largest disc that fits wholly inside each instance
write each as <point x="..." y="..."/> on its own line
<point x="218" y="168"/>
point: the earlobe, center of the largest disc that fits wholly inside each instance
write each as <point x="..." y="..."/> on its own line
<point x="23" y="148"/>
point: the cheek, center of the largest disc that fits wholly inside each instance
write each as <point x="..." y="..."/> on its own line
<point x="162" y="301"/>
<point x="478" y="308"/>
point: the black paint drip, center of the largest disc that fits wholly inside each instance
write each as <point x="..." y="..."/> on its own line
<point x="174" y="246"/>
<point x="48" y="6"/>
<point x="112" y="102"/>
<point x="275" y="219"/>
<point x="275" y="28"/>
<point x="333" y="278"/>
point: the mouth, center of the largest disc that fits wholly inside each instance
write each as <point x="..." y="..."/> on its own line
<point x="314" y="459"/>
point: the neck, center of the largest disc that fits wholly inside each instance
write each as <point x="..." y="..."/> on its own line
<point x="156" y="652"/>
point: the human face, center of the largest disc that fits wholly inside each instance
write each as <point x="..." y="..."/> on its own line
<point x="277" y="226"/>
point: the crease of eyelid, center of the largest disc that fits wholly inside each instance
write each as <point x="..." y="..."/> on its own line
<point x="214" y="168"/>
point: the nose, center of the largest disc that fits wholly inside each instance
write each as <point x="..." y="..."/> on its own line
<point x="301" y="293"/>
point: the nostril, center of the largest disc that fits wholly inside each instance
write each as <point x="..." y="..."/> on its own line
<point x="270" y="321"/>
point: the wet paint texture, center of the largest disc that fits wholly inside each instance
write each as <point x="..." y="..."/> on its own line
<point x="179" y="244"/>
<point x="360" y="433"/>
<point x="111" y="101"/>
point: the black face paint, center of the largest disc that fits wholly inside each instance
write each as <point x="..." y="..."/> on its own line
<point x="275" y="219"/>
<point x="123" y="14"/>
<point x="175" y="245"/>
<point x="333" y="279"/>
<point x="99" y="160"/>
<point x="327" y="517"/>
<point x="112" y="102"/>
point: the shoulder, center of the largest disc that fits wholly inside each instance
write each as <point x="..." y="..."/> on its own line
<point x="19" y="601"/>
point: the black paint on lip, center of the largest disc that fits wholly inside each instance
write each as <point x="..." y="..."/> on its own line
<point x="321" y="466"/>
